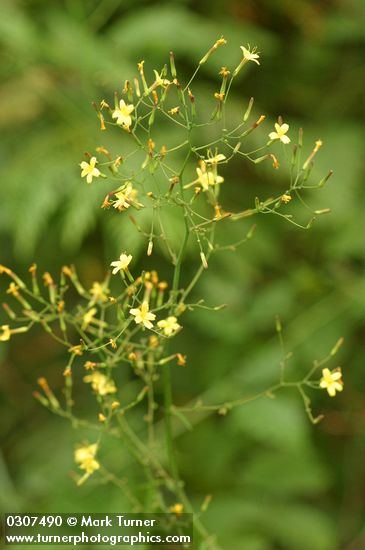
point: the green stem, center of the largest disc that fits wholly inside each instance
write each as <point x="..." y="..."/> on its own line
<point x="180" y="492"/>
<point x="198" y="273"/>
<point x="167" y="386"/>
<point x="168" y="426"/>
<point x="177" y="271"/>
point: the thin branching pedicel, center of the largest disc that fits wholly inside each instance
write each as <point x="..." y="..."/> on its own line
<point x="131" y="328"/>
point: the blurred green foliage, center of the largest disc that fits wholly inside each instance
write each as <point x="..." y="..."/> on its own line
<point x="277" y="482"/>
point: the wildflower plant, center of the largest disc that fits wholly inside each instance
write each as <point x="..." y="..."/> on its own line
<point x="131" y="319"/>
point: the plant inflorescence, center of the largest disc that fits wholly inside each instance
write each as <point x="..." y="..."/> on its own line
<point x="130" y="319"/>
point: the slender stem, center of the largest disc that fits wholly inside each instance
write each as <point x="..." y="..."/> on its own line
<point x="123" y="485"/>
<point x="168" y="425"/>
<point x="172" y="457"/>
<point x="177" y="271"/>
<point x="192" y="78"/>
<point x="151" y="402"/>
<point x="167" y="385"/>
<point x="198" y="273"/>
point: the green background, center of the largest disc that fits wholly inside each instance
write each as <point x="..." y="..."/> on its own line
<point x="277" y="482"/>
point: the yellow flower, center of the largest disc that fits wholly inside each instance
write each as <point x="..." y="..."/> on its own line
<point x="250" y="55"/>
<point x="143" y="315"/>
<point x="285" y="198"/>
<point x="177" y="508"/>
<point x="88" y="317"/>
<point x="76" y="350"/>
<point x="121" y="264"/>
<point x="181" y="359"/>
<point x="85" y="458"/>
<point x="281" y="130"/>
<point x="47" y="279"/>
<point x="99" y="292"/>
<point x="219" y="96"/>
<point x="5" y="336"/>
<point x="160" y="81"/>
<point x="13" y="289"/>
<point x="4" y="269"/>
<point x="214" y="160"/>
<point x="331" y="381"/>
<point x="113" y="343"/>
<point x="89" y="169"/>
<point x="169" y="325"/>
<point x="318" y="144"/>
<point x="224" y="72"/>
<point x="7" y="332"/>
<point x="123" y="114"/>
<point x="220" y="42"/>
<point x="125" y="197"/>
<point x="206" y="176"/>
<point x="101" y="384"/>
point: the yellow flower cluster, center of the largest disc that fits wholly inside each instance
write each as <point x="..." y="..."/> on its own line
<point x="207" y="173"/>
<point x="125" y="197"/>
<point x="142" y="314"/>
<point x="88" y="317"/>
<point x="101" y="384"/>
<point x="85" y="458"/>
<point x="99" y="292"/>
